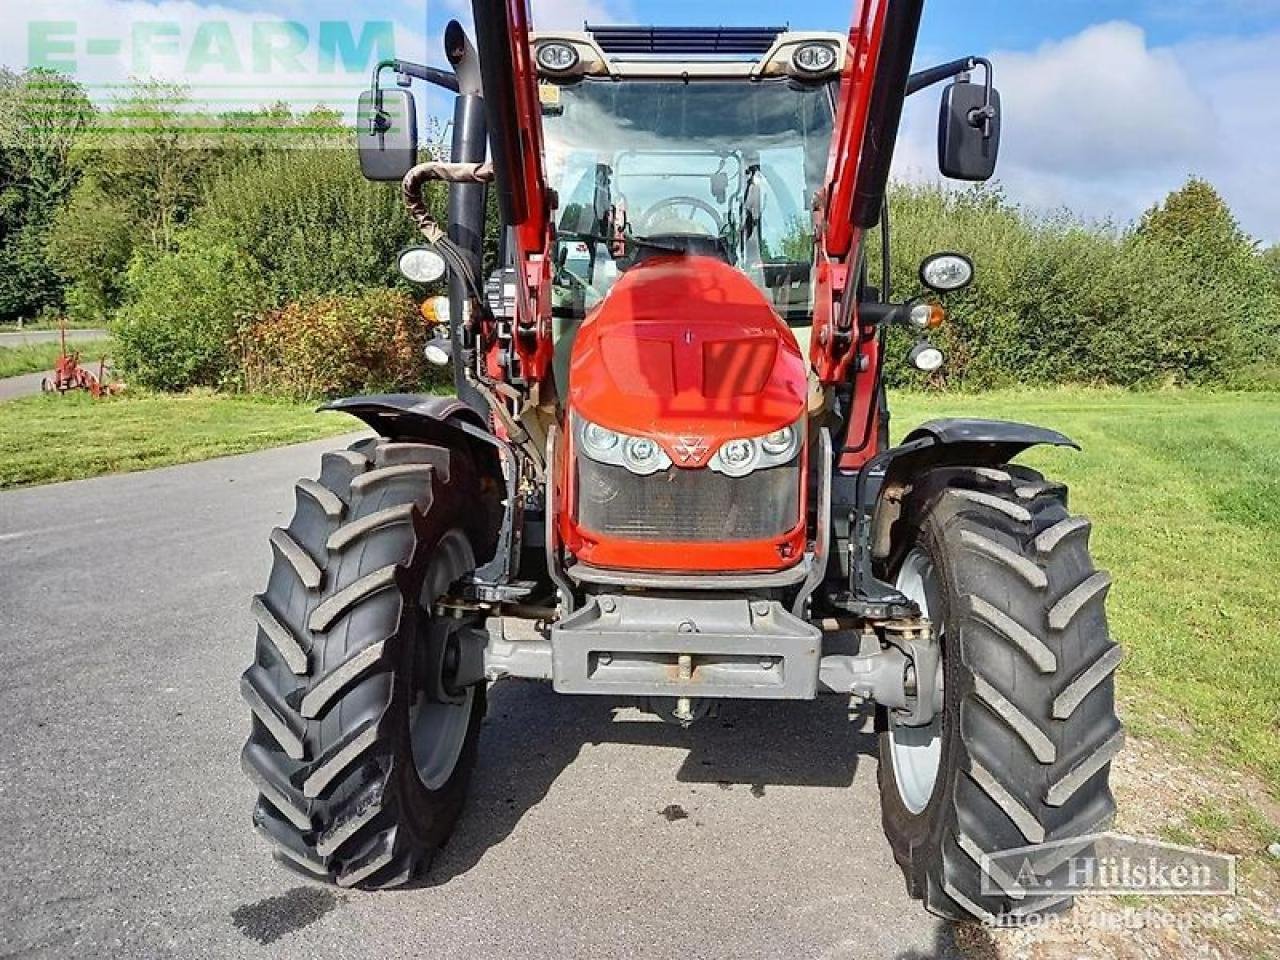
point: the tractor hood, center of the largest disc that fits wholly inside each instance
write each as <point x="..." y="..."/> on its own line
<point x="687" y="350"/>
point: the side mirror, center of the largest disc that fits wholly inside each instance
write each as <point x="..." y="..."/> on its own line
<point x="387" y="134"/>
<point x="969" y="131"/>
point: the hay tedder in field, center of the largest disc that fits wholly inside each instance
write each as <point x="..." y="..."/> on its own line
<point x="669" y="450"/>
<point x="69" y="375"/>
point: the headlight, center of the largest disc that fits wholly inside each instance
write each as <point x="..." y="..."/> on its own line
<point x="557" y="57"/>
<point x="643" y="456"/>
<point x="814" y="58"/>
<point x="599" y="441"/>
<point x="783" y="443"/>
<point x="640" y="455"/>
<point x="947" y="272"/>
<point x="421" y="264"/>
<point x="737" y="458"/>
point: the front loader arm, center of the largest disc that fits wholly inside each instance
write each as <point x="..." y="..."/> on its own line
<point x="872" y="91"/>
<point x="524" y="199"/>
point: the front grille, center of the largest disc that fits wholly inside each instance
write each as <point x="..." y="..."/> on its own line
<point x="687" y="505"/>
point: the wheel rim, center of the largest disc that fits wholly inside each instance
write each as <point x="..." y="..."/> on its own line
<point x="916" y="752"/>
<point x="438" y="730"/>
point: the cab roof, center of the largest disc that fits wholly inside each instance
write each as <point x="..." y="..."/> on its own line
<point x="640" y="52"/>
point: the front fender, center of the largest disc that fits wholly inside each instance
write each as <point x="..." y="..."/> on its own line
<point x="449" y="422"/>
<point x="413" y="416"/>
<point x="939" y="444"/>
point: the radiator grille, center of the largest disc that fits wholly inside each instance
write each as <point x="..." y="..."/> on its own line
<point x="687" y="505"/>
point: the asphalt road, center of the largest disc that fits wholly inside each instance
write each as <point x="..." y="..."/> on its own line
<point x="24" y="386"/>
<point x="124" y="819"/>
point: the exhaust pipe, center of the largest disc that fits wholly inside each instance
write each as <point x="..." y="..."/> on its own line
<point x="466" y="200"/>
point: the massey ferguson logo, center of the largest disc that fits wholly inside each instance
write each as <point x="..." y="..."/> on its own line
<point x="691" y="449"/>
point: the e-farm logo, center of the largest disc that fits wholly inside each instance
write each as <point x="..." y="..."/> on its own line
<point x="188" y="50"/>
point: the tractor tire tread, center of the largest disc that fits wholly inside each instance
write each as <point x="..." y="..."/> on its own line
<point x="1033" y="705"/>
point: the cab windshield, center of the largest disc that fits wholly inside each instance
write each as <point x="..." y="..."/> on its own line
<point x="726" y="169"/>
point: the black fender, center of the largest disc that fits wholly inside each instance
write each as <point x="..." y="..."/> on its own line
<point x="940" y="444"/>
<point x="412" y="415"/>
<point x="888" y="480"/>
<point x="434" y="419"/>
<point x="451" y="422"/>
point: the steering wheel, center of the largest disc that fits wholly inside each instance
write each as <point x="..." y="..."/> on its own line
<point x="652" y="215"/>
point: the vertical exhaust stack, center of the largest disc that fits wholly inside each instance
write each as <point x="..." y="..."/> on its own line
<point x="467" y="201"/>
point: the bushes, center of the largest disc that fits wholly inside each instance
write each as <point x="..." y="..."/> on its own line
<point x="310" y="223"/>
<point x="184" y="313"/>
<point x="42" y="114"/>
<point x="1184" y="298"/>
<point x="289" y="262"/>
<point x="336" y="345"/>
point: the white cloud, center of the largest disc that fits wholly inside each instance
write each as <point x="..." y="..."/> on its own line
<point x="1106" y="124"/>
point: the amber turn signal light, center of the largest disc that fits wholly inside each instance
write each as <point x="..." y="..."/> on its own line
<point x="927" y="316"/>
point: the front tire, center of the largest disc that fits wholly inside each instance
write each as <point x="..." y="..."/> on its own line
<point x="1020" y="754"/>
<point x="361" y="747"/>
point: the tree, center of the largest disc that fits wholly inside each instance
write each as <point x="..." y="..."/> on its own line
<point x="1237" y="309"/>
<point x="43" y="115"/>
<point x="1271" y="258"/>
<point x="1197" y="222"/>
<point x="150" y="156"/>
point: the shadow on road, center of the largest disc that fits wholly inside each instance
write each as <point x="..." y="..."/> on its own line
<point x="531" y="734"/>
<point x="956" y="942"/>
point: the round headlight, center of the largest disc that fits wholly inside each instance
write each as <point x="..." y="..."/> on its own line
<point x="814" y="58"/>
<point x="738" y="457"/>
<point x="557" y="57"/>
<point x="926" y="358"/>
<point x="642" y="455"/>
<point x="421" y="265"/>
<point x="439" y="352"/>
<point x="599" y="440"/>
<point x="947" y="272"/>
<point x="781" y="443"/>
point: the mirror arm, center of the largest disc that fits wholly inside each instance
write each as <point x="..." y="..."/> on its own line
<point x="924" y="79"/>
<point x="407" y="71"/>
<point x="886" y="254"/>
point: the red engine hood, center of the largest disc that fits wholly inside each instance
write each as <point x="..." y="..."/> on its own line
<point x="687" y="348"/>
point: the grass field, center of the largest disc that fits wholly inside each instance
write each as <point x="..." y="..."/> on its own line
<point x="38" y="357"/>
<point x="1184" y="493"/>
<point x="48" y="438"/>
<point x="1183" y="489"/>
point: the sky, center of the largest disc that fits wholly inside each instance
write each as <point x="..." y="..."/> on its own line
<point x="1109" y="104"/>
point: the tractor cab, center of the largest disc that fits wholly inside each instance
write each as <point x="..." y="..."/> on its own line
<point x="719" y="151"/>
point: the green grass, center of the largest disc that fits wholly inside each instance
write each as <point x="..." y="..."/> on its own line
<point x="49" y="438"/>
<point x="39" y="357"/>
<point x="1184" y="492"/>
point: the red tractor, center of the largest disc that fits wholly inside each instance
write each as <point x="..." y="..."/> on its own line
<point x="669" y="452"/>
